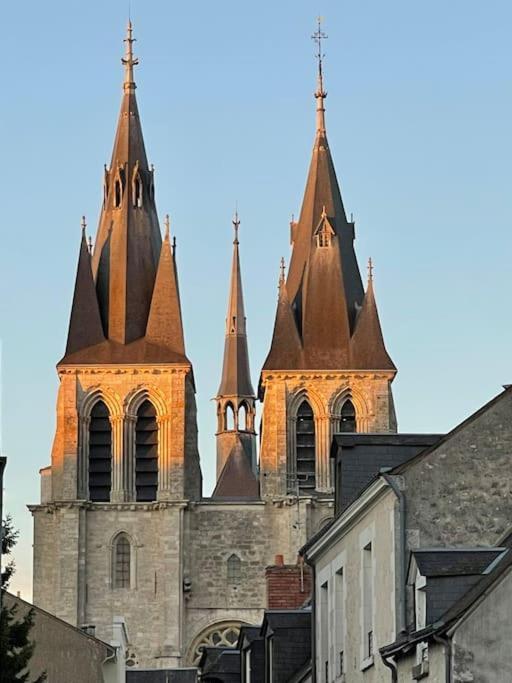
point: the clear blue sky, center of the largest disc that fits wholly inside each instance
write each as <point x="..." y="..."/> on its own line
<point x="418" y="115"/>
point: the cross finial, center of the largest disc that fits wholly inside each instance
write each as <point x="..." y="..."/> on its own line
<point x="167" y="224"/>
<point x="282" y="272"/>
<point x="83" y="224"/>
<point x="370" y="269"/>
<point x="320" y="94"/>
<point x="90" y="244"/>
<point x="236" y="225"/>
<point x="129" y="60"/>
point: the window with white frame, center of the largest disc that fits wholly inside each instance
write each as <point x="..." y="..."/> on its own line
<point x="420" y="601"/>
<point x="339" y="621"/>
<point x="367" y="560"/>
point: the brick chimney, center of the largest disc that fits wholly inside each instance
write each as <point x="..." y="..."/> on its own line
<point x="288" y="585"/>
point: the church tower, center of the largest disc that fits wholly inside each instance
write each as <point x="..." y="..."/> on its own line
<point x="327" y="369"/>
<point x="235" y="398"/>
<point x="125" y="457"/>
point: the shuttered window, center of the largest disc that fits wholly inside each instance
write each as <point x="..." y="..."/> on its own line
<point x="146" y="453"/>
<point x="305" y="440"/>
<point x="100" y="454"/>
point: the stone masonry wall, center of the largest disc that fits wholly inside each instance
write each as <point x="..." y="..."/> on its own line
<point x="461" y="493"/>
<point x="370" y="392"/>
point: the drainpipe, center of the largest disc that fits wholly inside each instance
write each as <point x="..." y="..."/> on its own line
<point x="313" y="621"/>
<point x="447" y="644"/>
<point x="402" y="547"/>
<point x="392" y="665"/>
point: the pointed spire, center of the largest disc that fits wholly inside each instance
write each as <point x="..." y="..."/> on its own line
<point x="320" y="93"/>
<point x="286" y="347"/>
<point x="236" y="377"/>
<point x="165" y="325"/>
<point x="85" y="323"/>
<point x="322" y="204"/>
<point x="128" y="241"/>
<point x="367" y="344"/>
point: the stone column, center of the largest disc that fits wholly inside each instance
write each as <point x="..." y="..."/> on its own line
<point x="83" y="458"/>
<point x="291" y="460"/>
<point x="164" y="458"/>
<point x="129" y="456"/>
<point x="322" y="448"/>
<point x="118" y="490"/>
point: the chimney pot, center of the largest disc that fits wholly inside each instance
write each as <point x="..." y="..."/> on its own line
<point x="279" y="561"/>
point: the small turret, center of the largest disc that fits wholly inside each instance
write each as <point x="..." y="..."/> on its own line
<point x="235" y="398"/>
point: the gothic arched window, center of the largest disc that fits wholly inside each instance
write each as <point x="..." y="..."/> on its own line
<point x="348" y="417"/>
<point x="146" y="453"/>
<point x="100" y="454"/>
<point x="234" y="569"/>
<point x="242" y="417"/>
<point x="137" y="191"/>
<point x="121" y="565"/>
<point x="230" y="417"/>
<point x="305" y="444"/>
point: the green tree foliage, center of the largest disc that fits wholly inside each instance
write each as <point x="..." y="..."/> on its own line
<point x="16" y="648"/>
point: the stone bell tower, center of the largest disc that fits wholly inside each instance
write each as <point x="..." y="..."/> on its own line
<point x="235" y="398"/>
<point x="327" y="369"/>
<point x="125" y="458"/>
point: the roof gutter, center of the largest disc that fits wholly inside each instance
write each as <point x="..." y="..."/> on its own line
<point x="402" y="547"/>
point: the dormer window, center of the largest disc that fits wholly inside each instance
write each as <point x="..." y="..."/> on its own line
<point x="324" y="232"/>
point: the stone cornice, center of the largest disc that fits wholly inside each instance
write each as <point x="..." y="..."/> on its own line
<point x="111" y="507"/>
<point x="308" y="375"/>
<point x="142" y="369"/>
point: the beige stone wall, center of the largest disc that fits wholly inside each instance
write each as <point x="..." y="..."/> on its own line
<point x="370" y="392"/>
<point x="375" y="524"/>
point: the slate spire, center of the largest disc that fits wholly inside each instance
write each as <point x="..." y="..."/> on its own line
<point x="322" y="193"/>
<point x="85" y="323"/>
<point x="128" y="240"/>
<point x="367" y="344"/>
<point x="236" y="376"/>
<point x="286" y="351"/>
<point x="165" y="326"/>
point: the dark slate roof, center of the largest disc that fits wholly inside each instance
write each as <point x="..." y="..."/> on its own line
<point x="291" y="638"/>
<point x="220" y="664"/>
<point x="454" y="561"/>
<point x="248" y="634"/>
<point x="476" y="590"/>
<point x="286" y="347"/>
<point x="364" y="455"/>
<point x="161" y="675"/>
<point x="285" y="619"/>
<point x="237" y="480"/>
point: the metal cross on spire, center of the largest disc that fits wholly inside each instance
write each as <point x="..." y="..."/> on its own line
<point x="282" y="268"/>
<point x="129" y="60"/>
<point x="236" y="225"/>
<point x="320" y="94"/>
<point x="370" y="269"/>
